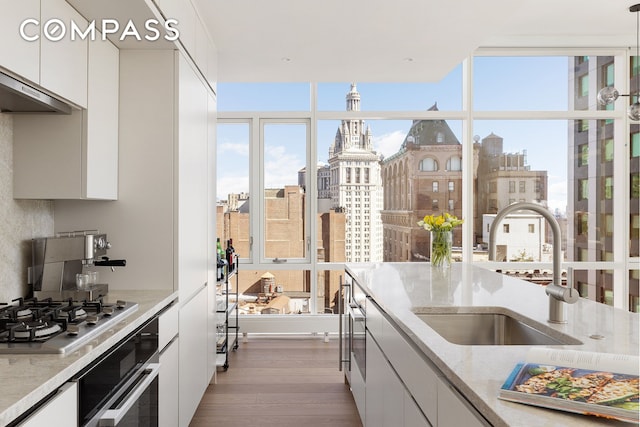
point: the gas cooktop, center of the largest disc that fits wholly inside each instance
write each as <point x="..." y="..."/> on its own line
<point x="51" y="327"/>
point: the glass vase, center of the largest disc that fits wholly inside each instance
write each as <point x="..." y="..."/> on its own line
<point x="441" y="243"/>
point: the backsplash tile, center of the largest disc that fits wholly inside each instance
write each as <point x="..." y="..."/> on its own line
<point x="22" y="220"/>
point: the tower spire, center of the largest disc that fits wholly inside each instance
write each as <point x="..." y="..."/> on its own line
<point x="353" y="99"/>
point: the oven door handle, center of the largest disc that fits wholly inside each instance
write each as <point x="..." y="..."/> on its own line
<point x="112" y="417"/>
<point x="356" y="313"/>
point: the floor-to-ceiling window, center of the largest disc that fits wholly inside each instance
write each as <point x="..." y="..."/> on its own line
<point x="358" y="164"/>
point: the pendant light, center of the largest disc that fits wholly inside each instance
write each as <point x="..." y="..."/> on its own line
<point x="609" y="94"/>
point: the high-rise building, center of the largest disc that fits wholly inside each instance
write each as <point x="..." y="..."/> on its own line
<point x="590" y="209"/>
<point x="356" y="185"/>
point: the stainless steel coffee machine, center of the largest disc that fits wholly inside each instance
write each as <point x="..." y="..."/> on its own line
<point x="57" y="261"/>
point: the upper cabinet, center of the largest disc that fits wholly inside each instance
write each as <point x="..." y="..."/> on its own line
<point x="17" y="54"/>
<point x="63" y="63"/>
<point x="37" y="46"/>
<point x="73" y="156"/>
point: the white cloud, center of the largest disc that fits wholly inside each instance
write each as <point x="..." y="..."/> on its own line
<point x="234" y="148"/>
<point x="389" y="143"/>
<point x="281" y="167"/>
<point x="228" y="184"/>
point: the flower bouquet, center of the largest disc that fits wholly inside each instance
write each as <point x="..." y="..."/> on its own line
<point x="441" y="228"/>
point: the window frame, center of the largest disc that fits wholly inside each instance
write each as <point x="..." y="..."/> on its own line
<point x="621" y="264"/>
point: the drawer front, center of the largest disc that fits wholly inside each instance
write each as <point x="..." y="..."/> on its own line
<point x="374" y="319"/>
<point x="167" y="326"/>
<point x="419" y="378"/>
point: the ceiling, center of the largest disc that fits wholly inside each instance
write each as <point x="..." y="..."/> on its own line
<point x="395" y="41"/>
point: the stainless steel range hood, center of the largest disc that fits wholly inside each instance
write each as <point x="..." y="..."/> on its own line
<point x="19" y="97"/>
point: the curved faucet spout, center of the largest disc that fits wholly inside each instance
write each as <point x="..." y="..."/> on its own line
<point x="557" y="293"/>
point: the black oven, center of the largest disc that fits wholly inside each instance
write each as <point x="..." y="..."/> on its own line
<point x="121" y="388"/>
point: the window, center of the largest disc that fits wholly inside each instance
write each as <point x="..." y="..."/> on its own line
<point x="635" y="144"/>
<point x="582" y="223"/>
<point x="532" y="228"/>
<point x="607" y="150"/>
<point x="608" y="187"/>
<point x="516" y="147"/>
<point x="434" y="186"/>
<point x="505" y="228"/>
<point x="583" y="155"/>
<point x="454" y="163"/>
<point x="428" y="165"/>
<point x="583" y="189"/>
<point x="583" y="85"/>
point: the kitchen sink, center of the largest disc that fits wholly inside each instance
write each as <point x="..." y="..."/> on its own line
<point x="493" y="328"/>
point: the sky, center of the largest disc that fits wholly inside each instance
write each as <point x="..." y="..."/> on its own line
<point x="499" y="84"/>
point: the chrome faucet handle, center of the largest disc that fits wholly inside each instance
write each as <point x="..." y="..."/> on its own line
<point x="566" y="294"/>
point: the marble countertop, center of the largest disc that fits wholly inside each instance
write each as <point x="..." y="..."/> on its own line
<point x="478" y="372"/>
<point x="28" y="378"/>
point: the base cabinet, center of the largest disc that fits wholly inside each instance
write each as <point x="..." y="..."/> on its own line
<point x="452" y="410"/>
<point x="404" y="389"/>
<point x="386" y="394"/>
<point x="168" y="415"/>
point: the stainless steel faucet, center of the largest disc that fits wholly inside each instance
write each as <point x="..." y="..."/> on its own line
<point x="558" y="294"/>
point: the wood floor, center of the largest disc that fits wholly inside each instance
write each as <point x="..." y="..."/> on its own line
<point x="281" y="381"/>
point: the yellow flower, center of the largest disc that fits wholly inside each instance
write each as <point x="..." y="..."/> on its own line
<point x="445" y="221"/>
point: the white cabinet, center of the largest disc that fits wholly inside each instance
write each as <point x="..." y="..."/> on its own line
<point x="17" y="54"/>
<point x="385" y="393"/>
<point x="60" y="410"/>
<point x="192" y="180"/>
<point x="168" y="380"/>
<point x="193" y="355"/>
<point x="413" y="416"/>
<point x="168" y="409"/>
<point x="63" y="63"/>
<point x="453" y="411"/>
<point x="73" y="156"/>
<point x="402" y="387"/>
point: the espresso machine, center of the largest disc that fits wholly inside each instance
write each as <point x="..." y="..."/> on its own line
<point x="60" y="263"/>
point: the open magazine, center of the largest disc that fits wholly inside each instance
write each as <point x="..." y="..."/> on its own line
<point x="599" y="384"/>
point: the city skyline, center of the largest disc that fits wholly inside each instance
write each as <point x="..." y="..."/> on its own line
<point x="496" y="79"/>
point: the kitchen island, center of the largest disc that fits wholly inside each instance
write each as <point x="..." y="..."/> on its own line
<point x="477" y="372"/>
<point x="29" y="378"/>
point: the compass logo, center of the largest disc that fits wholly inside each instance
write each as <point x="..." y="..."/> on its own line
<point x="54" y="30"/>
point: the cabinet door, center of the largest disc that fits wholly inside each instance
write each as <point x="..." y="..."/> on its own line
<point x="47" y="156"/>
<point x="384" y="390"/>
<point x="63" y="63"/>
<point x="452" y="410"/>
<point x="101" y="150"/>
<point x="17" y="54"/>
<point x="192" y="181"/>
<point x="193" y="355"/>
<point x="413" y="416"/>
<point x="168" y="409"/>
<point x="61" y="410"/>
